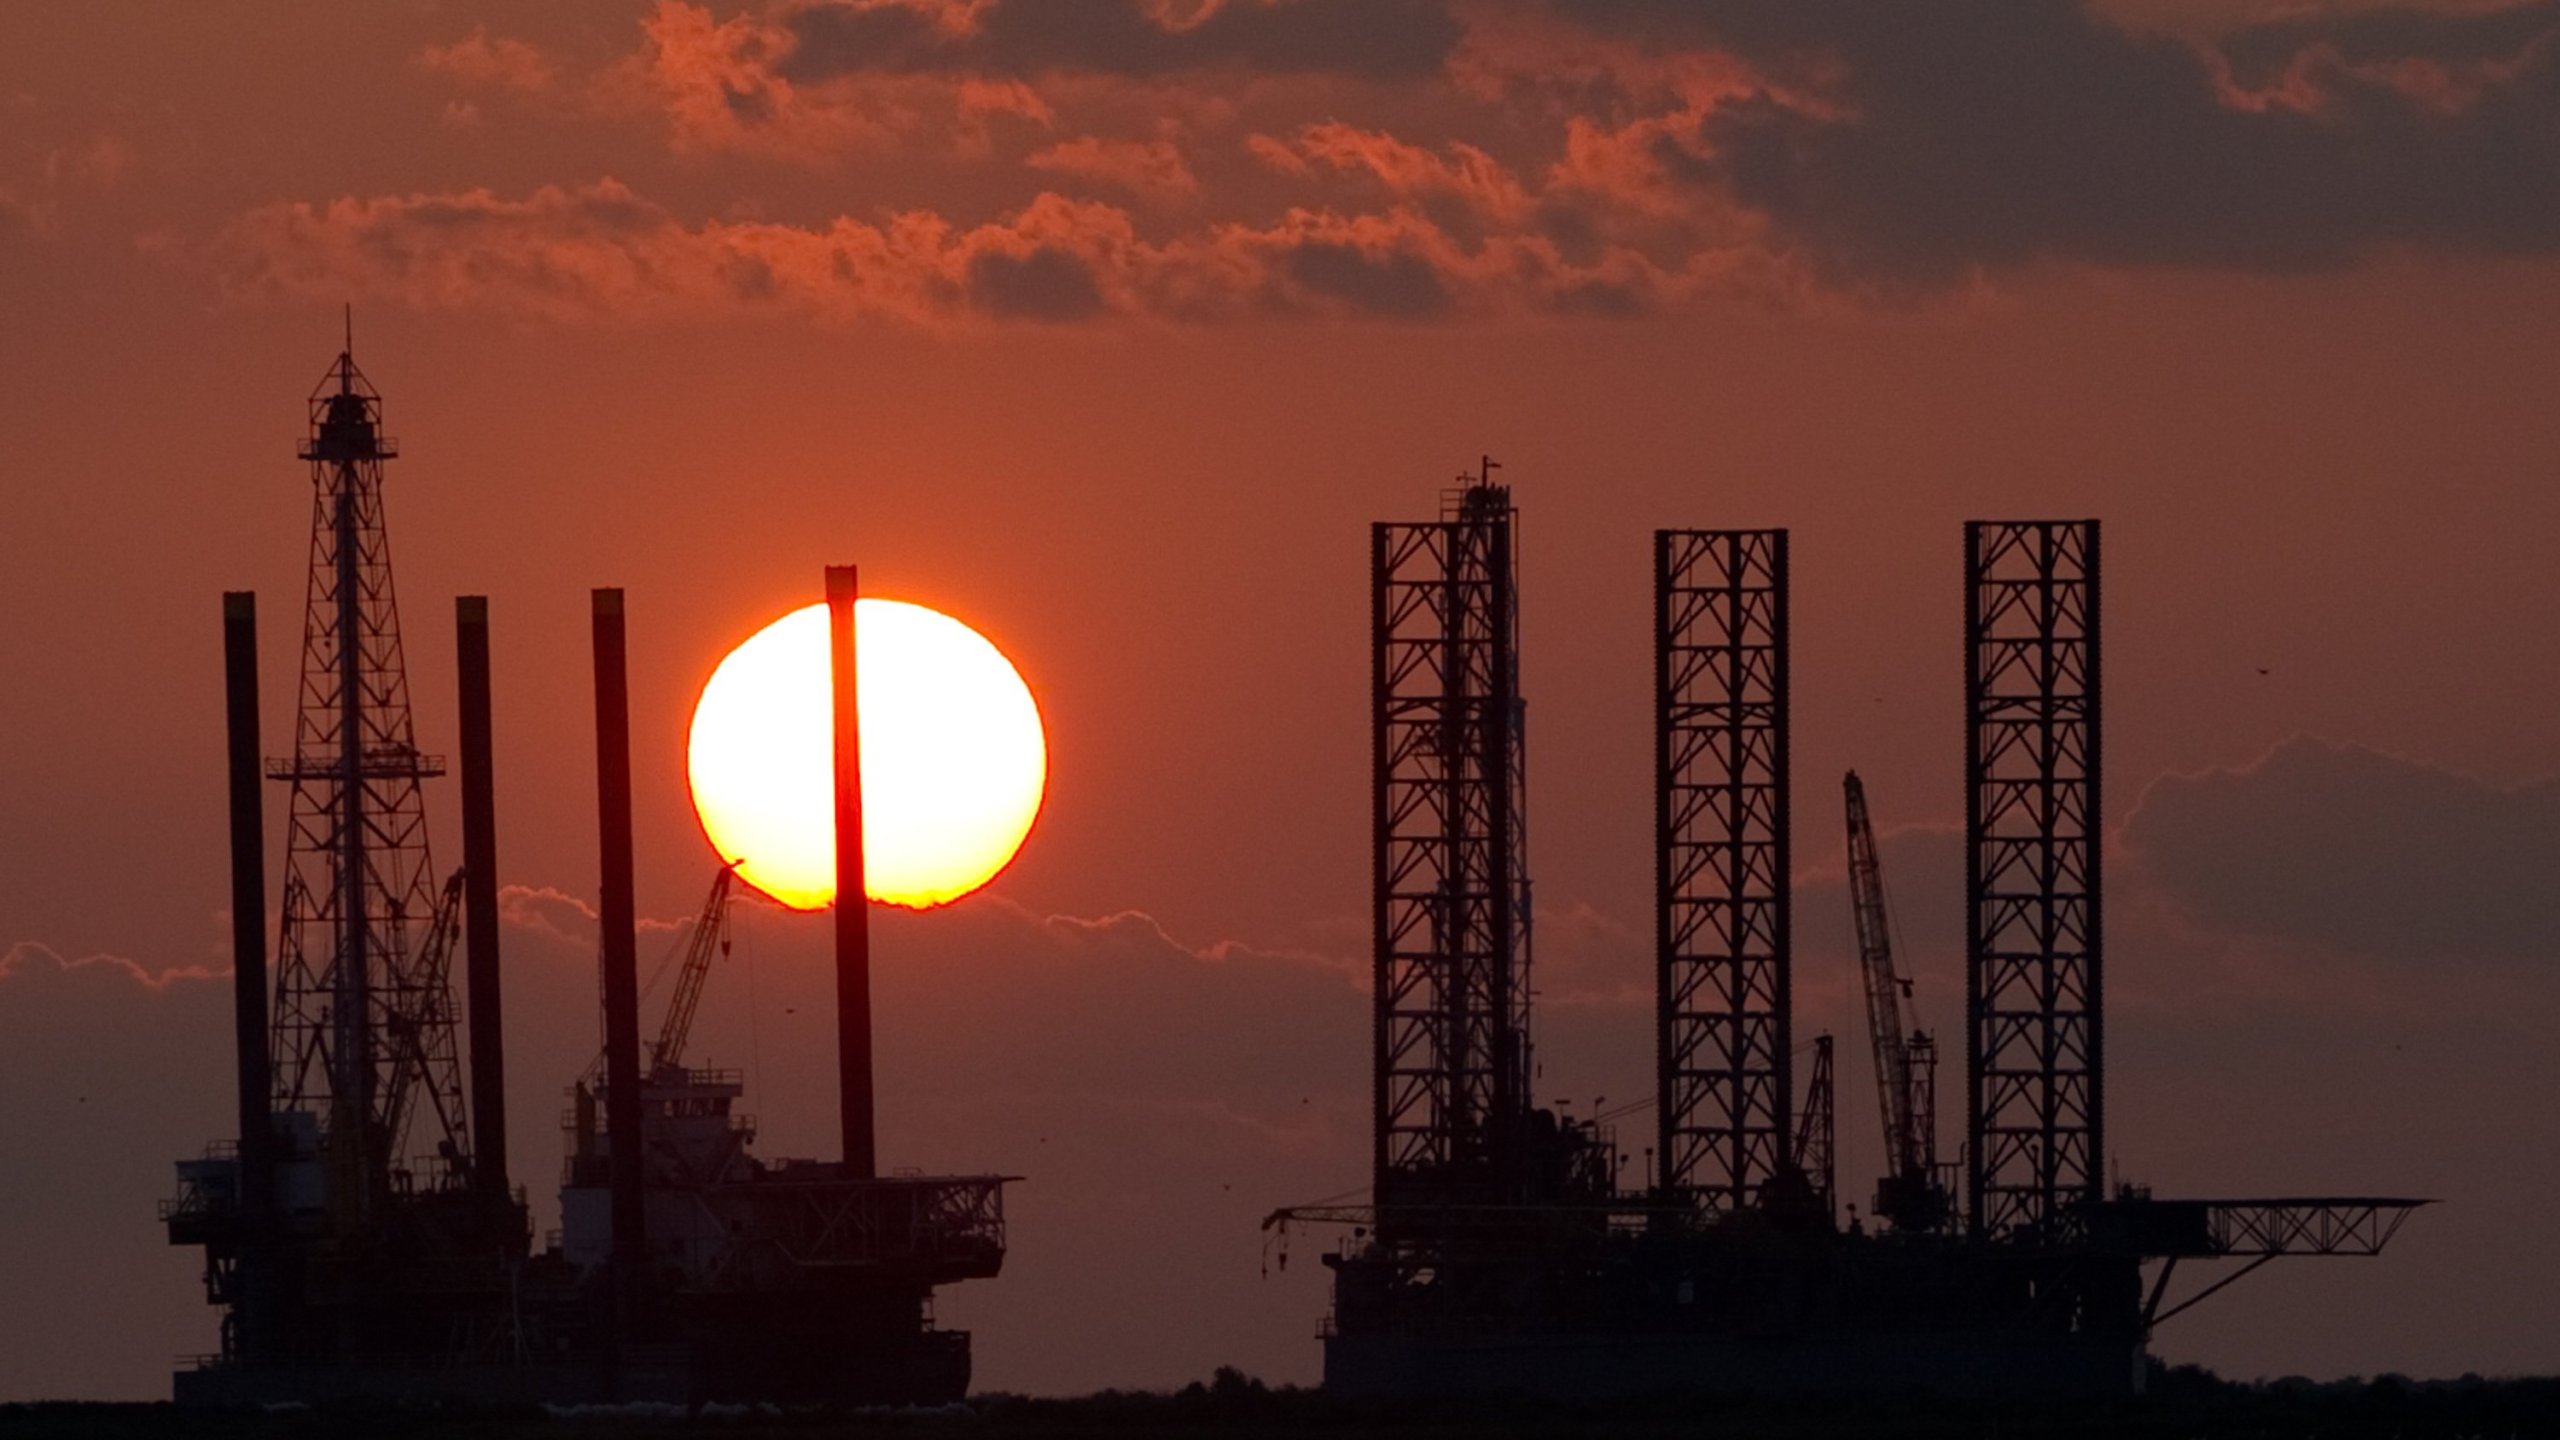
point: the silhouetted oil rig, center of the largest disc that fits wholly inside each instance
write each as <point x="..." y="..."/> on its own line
<point x="1498" y="1252"/>
<point x="361" y="1237"/>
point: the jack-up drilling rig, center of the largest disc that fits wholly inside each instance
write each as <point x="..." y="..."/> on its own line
<point x="352" y="1224"/>
<point x="773" y="1278"/>
<point x="1498" y="1255"/>
<point x="357" y="1242"/>
<point x="1911" y="1195"/>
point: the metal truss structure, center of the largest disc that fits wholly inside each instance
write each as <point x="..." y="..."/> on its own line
<point x="1887" y="1032"/>
<point x="2258" y="1231"/>
<point x="2305" y="1227"/>
<point x="1721" y="863"/>
<point x="1451" y="890"/>
<point x="791" y="1233"/>
<point x="1498" y="1254"/>
<point x="364" y="1009"/>
<point x="2035" y="1091"/>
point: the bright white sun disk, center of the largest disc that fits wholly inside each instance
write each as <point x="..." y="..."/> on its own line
<point x="954" y="760"/>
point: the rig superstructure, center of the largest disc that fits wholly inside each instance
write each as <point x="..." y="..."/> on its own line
<point x="1498" y="1253"/>
<point x="353" y="1216"/>
<point x="357" y="1241"/>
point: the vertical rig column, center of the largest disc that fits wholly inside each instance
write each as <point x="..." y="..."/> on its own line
<point x="2035" y="1091"/>
<point x="615" y="907"/>
<point x="248" y="905"/>
<point x="1721" y="863"/>
<point x="480" y="899"/>
<point x="353" y="1087"/>
<point x="1451" y="1023"/>
<point x="853" y="896"/>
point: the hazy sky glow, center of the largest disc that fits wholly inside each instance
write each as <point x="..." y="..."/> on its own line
<point x="1108" y="325"/>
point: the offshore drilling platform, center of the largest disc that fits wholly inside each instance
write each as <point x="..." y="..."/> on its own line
<point x="361" y="1236"/>
<point x="1498" y="1252"/>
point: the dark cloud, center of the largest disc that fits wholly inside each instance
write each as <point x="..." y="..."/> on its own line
<point x="1998" y="133"/>
<point x="2359" y="853"/>
<point x="109" y="1071"/>
<point x="2340" y="853"/>
<point x="1376" y="39"/>
<point x="1602" y="301"/>
<point x="1870" y="145"/>
<point x="2259" y="53"/>
<point x="1047" y="284"/>
<point x="1394" y="284"/>
<point x="1924" y="885"/>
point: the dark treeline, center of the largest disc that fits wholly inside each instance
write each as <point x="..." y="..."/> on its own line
<point x="2184" y="1403"/>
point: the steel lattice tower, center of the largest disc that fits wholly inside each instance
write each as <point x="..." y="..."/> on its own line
<point x="364" y="1013"/>
<point x="2035" y="1092"/>
<point x="1721" y="863"/>
<point x="1452" y="894"/>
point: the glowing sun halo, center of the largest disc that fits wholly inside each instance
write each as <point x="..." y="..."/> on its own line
<point x="953" y="757"/>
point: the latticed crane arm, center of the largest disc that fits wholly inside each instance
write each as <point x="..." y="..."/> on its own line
<point x="1902" y="1141"/>
<point x="710" y="936"/>
<point x="419" y="1032"/>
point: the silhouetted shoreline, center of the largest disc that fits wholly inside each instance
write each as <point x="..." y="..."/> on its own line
<point x="2185" y="1402"/>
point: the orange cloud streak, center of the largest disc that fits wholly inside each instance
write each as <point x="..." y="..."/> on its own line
<point x="602" y="250"/>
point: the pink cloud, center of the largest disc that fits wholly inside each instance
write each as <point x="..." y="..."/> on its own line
<point x="603" y="251"/>
<point x="1464" y="171"/>
<point x="717" y="84"/>
<point x="1153" y="169"/>
<point x="483" y="61"/>
<point x="26" y="959"/>
<point x="1277" y="155"/>
<point x="981" y="98"/>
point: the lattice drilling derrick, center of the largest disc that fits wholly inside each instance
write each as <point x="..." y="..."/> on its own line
<point x="2036" y="1084"/>
<point x="1721" y="863"/>
<point x="1451" y="892"/>
<point x="364" y="1011"/>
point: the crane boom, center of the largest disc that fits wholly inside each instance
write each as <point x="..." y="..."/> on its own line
<point x="1813" y="1152"/>
<point x="710" y="935"/>
<point x="1906" y="1068"/>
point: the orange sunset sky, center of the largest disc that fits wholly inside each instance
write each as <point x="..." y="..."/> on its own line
<point x="1107" y="326"/>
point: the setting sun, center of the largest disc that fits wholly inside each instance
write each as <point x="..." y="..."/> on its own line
<point x="954" y="761"/>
